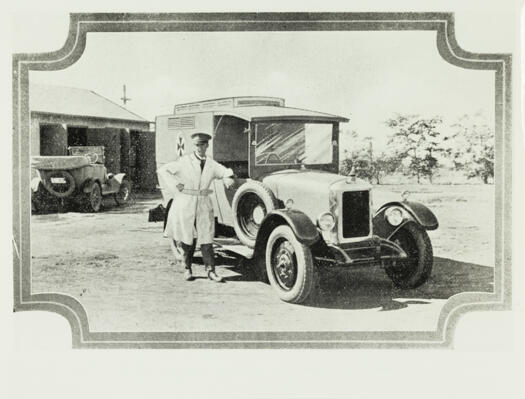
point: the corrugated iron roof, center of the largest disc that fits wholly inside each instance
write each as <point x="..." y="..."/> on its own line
<point x="261" y="113"/>
<point x="79" y="102"/>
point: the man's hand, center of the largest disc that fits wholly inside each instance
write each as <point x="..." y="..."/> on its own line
<point x="228" y="182"/>
<point x="180" y="186"/>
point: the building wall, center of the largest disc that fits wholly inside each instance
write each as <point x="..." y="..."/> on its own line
<point x="145" y="165"/>
<point x="53" y="140"/>
<point x="149" y="171"/>
<point x="124" y="150"/>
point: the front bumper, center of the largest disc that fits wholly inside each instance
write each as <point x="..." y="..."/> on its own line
<point x="371" y="251"/>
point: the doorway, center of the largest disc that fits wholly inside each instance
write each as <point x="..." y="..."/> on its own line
<point x="76" y="136"/>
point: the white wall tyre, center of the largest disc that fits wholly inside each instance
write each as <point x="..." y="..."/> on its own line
<point x="289" y="266"/>
<point x="251" y="203"/>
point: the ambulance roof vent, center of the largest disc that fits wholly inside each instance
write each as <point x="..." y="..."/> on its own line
<point x="228" y="103"/>
<point x="187" y="122"/>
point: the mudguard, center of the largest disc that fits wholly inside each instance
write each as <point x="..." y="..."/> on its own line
<point x="113" y="183"/>
<point x="35" y="184"/>
<point x="414" y="212"/>
<point x="119" y="177"/>
<point x="302" y="225"/>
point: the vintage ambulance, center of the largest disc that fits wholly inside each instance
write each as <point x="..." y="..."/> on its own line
<point x="289" y="210"/>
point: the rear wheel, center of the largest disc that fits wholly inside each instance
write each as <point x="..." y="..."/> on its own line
<point x="289" y="266"/>
<point x="416" y="269"/>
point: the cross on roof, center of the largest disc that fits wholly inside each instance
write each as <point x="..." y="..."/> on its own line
<point x="124" y="98"/>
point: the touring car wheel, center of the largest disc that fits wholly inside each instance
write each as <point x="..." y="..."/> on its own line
<point x="59" y="183"/>
<point x="94" y="198"/>
<point x="289" y="266"/>
<point x="36" y="205"/>
<point x="124" y="193"/>
<point x="251" y="203"/>
<point x="416" y="269"/>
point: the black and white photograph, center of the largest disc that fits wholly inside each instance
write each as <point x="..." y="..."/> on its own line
<point x="265" y="180"/>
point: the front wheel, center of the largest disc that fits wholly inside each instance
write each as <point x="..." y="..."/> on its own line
<point x="416" y="269"/>
<point x="289" y="265"/>
<point x="124" y="192"/>
<point x="94" y="198"/>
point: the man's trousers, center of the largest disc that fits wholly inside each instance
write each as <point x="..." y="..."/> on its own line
<point x="208" y="255"/>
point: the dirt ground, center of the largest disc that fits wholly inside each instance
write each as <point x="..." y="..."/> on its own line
<point x="121" y="269"/>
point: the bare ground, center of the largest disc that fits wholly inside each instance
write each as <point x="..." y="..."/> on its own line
<point x="121" y="270"/>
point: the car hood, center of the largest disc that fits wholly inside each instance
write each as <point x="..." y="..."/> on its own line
<point x="310" y="190"/>
<point x="302" y="179"/>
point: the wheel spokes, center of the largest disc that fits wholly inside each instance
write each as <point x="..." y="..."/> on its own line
<point x="96" y="197"/>
<point x="284" y="265"/>
<point x="407" y="266"/>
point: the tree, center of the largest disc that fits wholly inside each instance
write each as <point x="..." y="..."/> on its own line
<point x="472" y="147"/>
<point x="368" y="166"/>
<point x="416" y="142"/>
<point x="383" y="165"/>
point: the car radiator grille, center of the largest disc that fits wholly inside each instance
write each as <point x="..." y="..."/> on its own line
<point x="356" y="214"/>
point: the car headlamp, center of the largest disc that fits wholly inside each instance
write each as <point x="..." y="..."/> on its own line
<point x="326" y="221"/>
<point x="394" y="216"/>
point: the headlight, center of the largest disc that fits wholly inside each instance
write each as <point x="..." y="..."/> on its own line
<point x="394" y="216"/>
<point x="326" y="221"/>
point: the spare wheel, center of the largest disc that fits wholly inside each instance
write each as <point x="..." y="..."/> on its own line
<point x="60" y="183"/>
<point x="251" y="203"/>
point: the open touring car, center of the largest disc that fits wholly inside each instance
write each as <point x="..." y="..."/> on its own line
<point x="80" y="179"/>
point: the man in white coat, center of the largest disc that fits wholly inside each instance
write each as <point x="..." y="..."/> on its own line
<point x="190" y="218"/>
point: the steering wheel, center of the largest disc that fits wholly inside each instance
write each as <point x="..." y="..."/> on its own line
<point x="92" y="156"/>
<point x="274" y="154"/>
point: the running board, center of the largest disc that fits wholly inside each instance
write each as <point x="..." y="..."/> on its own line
<point x="232" y="245"/>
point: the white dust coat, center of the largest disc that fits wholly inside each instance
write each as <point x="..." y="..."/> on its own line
<point x="191" y="216"/>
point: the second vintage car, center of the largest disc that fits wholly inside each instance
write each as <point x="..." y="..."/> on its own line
<point x="290" y="210"/>
<point x="79" y="179"/>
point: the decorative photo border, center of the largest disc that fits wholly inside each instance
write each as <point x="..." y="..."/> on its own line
<point x="72" y="310"/>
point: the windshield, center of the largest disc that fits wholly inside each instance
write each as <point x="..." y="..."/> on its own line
<point x="293" y="143"/>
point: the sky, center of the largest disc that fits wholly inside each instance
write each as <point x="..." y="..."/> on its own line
<point x="365" y="76"/>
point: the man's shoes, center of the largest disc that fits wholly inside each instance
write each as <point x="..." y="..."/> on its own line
<point x="187" y="275"/>
<point x="214" y="277"/>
